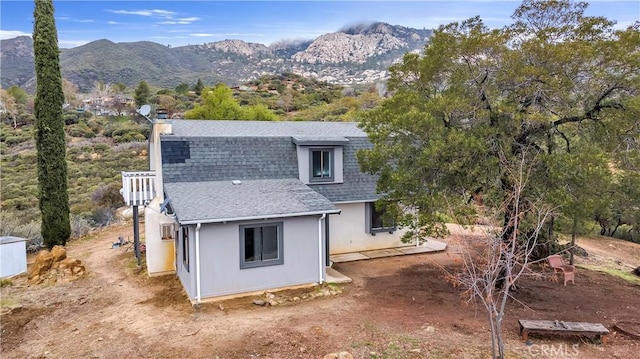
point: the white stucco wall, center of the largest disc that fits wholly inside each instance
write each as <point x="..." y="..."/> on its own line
<point x="347" y="232"/>
<point x="160" y="253"/>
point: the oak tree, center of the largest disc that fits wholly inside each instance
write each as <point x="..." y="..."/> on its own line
<point x="478" y="98"/>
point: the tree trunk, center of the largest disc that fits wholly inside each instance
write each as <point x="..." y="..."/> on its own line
<point x="616" y="227"/>
<point x="573" y="240"/>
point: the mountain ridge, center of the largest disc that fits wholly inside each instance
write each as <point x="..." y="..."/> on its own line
<point x="357" y="54"/>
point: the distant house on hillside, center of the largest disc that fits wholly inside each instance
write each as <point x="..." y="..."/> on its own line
<point x="241" y="206"/>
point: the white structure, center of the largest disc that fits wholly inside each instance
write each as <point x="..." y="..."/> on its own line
<point x="13" y="256"/>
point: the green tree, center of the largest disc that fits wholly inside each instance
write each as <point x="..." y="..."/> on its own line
<point x="142" y="94"/>
<point x="119" y="88"/>
<point x="580" y="183"/>
<point x="259" y="112"/>
<point x="182" y="89"/>
<point x="480" y="105"/>
<point x="18" y="94"/>
<point x="218" y="103"/>
<point x="198" y="87"/>
<point x="50" y="137"/>
<point x="478" y="98"/>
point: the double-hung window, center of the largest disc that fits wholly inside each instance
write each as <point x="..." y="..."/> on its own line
<point x="321" y="165"/>
<point x="261" y="245"/>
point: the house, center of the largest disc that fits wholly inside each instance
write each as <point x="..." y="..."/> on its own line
<point x="241" y="206"/>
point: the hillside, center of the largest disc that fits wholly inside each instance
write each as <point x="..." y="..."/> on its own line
<point x="354" y="55"/>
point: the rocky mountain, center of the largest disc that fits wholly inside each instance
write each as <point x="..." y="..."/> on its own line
<point x="356" y="54"/>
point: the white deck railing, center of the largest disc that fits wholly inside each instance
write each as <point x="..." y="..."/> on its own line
<point x="138" y="188"/>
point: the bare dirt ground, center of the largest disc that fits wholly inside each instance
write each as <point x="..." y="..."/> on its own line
<point x="397" y="307"/>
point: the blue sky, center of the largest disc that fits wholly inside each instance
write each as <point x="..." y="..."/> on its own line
<point x="194" y="22"/>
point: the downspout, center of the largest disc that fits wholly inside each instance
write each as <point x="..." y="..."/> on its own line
<point x="320" y="256"/>
<point x="198" y="263"/>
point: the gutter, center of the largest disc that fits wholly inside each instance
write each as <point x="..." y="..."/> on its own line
<point x="320" y="256"/>
<point x="250" y="218"/>
<point x="198" y="294"/>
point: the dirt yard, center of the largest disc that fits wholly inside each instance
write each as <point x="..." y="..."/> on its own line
<point x="398" y="307"/>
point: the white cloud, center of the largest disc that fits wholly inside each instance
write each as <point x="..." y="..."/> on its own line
<point x="71" y="43"/>
<point x="166" y="14"/>
<point x="204" y="35"/>
<point x="243" y="34"/>
<point x="66" y="18"/>
<point x="10" y="34"/>
<point x="113" y="23"/>
<point x="190" y="19"/>
<point x="171" y="22"/>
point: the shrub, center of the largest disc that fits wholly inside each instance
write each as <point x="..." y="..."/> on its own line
<point x="80" y="226"/>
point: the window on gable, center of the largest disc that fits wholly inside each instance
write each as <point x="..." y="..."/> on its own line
<point x="321" y="164"/>
<point x="261" y="245"/>
<point x="377" y="221"/>
<point x="168" y="231"/>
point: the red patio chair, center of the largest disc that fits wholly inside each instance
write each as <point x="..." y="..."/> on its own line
<point x="557" y="263"/>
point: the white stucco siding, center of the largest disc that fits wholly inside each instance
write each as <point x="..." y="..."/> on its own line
<point x="347" y="232"/>
<point x="160" y="253"/>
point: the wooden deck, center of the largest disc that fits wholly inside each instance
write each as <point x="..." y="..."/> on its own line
<point x="559" y="327"/>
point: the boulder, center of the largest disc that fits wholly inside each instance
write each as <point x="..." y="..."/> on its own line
<point x="339" y="355"/>
<point x="72" y="267"/>
<point x="59" y="253"/>
<point x="41" y="265"/>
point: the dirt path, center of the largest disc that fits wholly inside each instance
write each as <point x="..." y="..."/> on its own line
<point x="399" y="307"/>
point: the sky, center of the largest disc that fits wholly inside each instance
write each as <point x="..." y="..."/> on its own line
<point x="179" y="23"/>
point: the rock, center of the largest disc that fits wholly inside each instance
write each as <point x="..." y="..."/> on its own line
<point x="59" y="253"/>
<point x="414" y="351"/>
<point x="295" y="299"/>
<point x="637" y="271"/>
<point x="339" y="355"/>
<point x="259" y="302"/>
<point x="273" y="302"/>
<point x="269" y="295"/>
<point x="42" y="264"/>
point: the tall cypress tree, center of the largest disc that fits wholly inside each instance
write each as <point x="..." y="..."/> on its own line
<point x="49" y="134"/>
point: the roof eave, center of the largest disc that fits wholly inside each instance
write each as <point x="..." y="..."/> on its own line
<point x="262" y="217"/>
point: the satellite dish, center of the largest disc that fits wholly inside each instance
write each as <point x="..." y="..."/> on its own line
<point x="144" y="110"/>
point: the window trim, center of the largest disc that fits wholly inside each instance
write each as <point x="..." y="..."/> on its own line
<point x="262" y="263"/>
<point x="370" y="209"/>
<point x="169" y="228"/>
<point x="332" y="161"/>
<point x="185" y="248"/>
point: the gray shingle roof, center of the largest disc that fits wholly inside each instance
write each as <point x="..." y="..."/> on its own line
<point x="208" y="128"/>
<point x="202" y="151"/>
<point x="219" y="201"/>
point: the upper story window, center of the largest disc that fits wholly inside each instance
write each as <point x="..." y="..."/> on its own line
<point x="320" y="159"/>
<point x="321" y="165"/>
